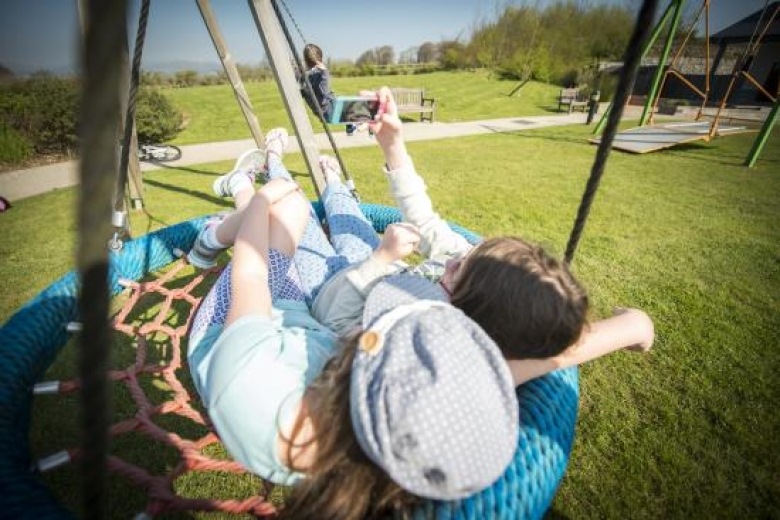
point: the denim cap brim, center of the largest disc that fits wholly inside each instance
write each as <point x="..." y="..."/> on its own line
<point x="433" y="402"/>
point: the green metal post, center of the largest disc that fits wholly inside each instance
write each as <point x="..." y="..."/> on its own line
<point x="763" y="135"/>
<point x="659" y="71"/>
<point x="650" y="43"/>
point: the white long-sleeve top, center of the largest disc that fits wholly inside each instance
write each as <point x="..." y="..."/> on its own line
<point x="339" y="305"/>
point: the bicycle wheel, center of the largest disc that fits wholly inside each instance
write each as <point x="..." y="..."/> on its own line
<point x="170" y="153"/>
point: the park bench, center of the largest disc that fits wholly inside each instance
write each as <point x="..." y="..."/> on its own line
<point x="572" y="98"/>
<point x="414" y="100"/>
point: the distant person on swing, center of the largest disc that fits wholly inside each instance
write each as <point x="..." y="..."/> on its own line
<point x="319" y="79"/>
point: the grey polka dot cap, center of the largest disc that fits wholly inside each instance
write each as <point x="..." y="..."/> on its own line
<point x="432" y="399"/>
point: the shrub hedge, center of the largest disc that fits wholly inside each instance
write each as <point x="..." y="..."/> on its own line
<point x="38" y="116"/>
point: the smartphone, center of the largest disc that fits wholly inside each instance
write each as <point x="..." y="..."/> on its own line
<point x="354" y="109"/>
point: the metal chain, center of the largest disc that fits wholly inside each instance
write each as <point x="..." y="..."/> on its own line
<point x="293" y="20"/>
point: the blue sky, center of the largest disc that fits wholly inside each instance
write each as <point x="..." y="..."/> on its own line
<point x="42" y="34"/>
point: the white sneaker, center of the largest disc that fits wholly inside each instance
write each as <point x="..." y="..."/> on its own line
<point x="253" y="160"/>
<point x="249" y="164"/>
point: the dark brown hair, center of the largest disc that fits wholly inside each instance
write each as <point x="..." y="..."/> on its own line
<point x="342" y="483"/>
<point x="312" y="55"/>
<point x="526" y="300"/>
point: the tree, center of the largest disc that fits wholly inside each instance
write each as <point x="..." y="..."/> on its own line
<point x="408" y="56"/>
<point x="156" y="118"/>
<point x="367" y="58"/>
<point x="6" y="74"/>
<point x="427" y="53"/>
<point x="186" y="78"/>
<point x="452" y="54"/>
<point x="385" y="55"/>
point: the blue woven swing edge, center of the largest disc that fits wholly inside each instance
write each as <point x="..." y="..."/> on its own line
<point x="31" y="339"/>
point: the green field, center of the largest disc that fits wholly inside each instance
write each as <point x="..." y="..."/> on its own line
<point x="212" y="114"/>
<point x="689" y="235"/>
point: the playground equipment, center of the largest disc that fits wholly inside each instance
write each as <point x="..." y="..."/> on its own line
<point x="33" y="337"/>
<point x="649" y="137"/>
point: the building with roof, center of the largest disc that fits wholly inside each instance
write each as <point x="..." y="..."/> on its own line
<point x="729" y="49"/>
<point x="760" y="30"/>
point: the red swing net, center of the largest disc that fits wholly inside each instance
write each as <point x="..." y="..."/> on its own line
<point x="162" y="497"/>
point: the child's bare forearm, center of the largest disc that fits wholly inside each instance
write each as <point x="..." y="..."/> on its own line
<point x="627" y="329"/>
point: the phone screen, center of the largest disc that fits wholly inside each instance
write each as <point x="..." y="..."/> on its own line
<point x="356" y="109"/>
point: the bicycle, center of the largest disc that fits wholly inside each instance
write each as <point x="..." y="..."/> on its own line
<point x="158" y="152"/>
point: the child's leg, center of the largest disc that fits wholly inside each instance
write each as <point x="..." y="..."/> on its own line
<point x="288" y="218"/>
<point x="315" y="258"/>
<point x="351" y="234"/>
<point x="283" y="279"/>
<point x="352" y="237"/>
<point x="275" y="145"/>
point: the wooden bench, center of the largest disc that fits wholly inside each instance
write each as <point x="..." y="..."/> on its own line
<point x="572" y="98"/>
<point x="414" y="100"/>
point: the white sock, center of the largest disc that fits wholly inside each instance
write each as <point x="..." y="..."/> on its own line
<point x="273" y="157"/>
<point x="210" y="239"/>
<point x="237" y="183"/>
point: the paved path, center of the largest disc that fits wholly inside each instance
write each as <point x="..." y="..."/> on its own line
<point x="34" y="181"/>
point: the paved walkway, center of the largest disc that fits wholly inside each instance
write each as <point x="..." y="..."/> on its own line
<point x="20" y="184"/>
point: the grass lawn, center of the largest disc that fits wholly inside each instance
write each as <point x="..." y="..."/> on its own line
<point x="212" y="114"/>
<point x="691" y="236"/>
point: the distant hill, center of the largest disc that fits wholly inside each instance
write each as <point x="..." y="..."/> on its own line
<point x="201" y="67"/>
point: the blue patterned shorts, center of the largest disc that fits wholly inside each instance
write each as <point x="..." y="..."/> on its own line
<point x="284" y="281"/>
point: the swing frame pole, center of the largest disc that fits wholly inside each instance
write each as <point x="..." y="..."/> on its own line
<point x="207" y="13"/>
<point x="650" y="42"/>
<point x="310" y="91"/>
<point x="660" y="70"/>
<point x="763" y="135"/>
<point x="673" y="70"/>
<point x="278" y="53"/>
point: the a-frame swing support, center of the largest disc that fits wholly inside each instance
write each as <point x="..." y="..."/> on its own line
<point x="231" y="70"/>
<point x="278" y="52"/>
<point x="677" y="7"/>
<point x="674" y="11"/>
<point x="668" y="12"/>
<point x="763" y="135"/>
<point x="130" y="160"/>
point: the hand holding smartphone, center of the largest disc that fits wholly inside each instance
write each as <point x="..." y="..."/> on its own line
<point x="354" y="109"/>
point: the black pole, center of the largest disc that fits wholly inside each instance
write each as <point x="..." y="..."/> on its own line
<point x="105" y="40"/>
<point x="633" y="56"/>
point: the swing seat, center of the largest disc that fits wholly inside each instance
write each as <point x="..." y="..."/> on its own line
<point x="31" y="339"/>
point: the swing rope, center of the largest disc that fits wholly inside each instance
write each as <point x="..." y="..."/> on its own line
<point x="310" y="91"/>
<point x="124" y="158"/>
<point x="631" y="60"/>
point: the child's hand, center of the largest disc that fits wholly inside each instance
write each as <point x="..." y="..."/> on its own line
<point x="387" y="127"/>
<point x="643" y="326"/>
<point x="399" y="241"/>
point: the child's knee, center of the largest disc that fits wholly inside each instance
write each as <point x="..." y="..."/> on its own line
<point x="292" y="208"/>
